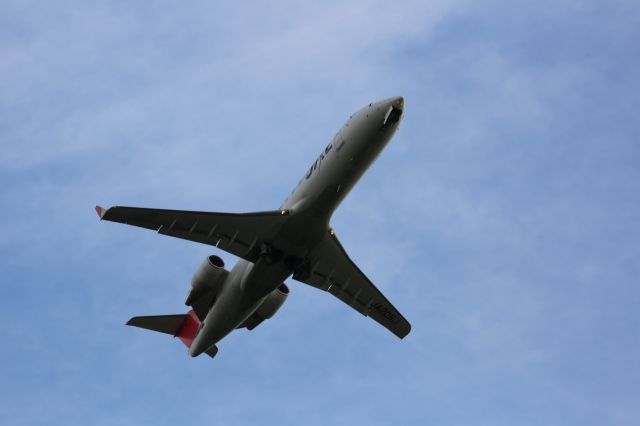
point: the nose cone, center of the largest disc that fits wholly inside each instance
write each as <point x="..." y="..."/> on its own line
<point x="394" y="101"/>
<point x="398" y="102"/>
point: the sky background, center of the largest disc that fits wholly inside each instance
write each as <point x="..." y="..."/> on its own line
<point x="502" y="220"/>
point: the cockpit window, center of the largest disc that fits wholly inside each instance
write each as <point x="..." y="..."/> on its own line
<point x="392" y="116"/>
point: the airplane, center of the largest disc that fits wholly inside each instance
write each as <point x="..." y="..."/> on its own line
<point x="294" y="241"/>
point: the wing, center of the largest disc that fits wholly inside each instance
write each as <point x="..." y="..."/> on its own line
<point x="239" y="234"/>
<point x="330" y="269"/>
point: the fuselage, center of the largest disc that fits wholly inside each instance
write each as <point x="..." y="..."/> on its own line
<point x="309" y="208"/>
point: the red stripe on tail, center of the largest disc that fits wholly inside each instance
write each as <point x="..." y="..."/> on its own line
<point x="189" y="328"/>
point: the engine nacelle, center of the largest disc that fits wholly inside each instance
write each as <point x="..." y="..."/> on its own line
<point x="208" y="277"/>
<point x="273" y="302"/>
<point x="268" y="307"/>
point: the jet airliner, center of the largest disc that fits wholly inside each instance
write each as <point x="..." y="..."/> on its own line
<point x="294" y="241"/>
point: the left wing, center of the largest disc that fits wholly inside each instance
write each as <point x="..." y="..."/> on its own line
<point x="240" y="234"/>
<point x="329" y="268"/>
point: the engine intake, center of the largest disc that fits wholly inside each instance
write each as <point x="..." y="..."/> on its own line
<point x="208" y="277"/>
<point x="268" y="307"/>
<point x="273" y="302"/>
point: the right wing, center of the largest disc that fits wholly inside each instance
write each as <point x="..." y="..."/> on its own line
<point x="329" y="268"/>
<point x="240" y="234"/>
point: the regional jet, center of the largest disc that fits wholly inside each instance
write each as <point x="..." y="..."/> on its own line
<point x="294" y="241"/>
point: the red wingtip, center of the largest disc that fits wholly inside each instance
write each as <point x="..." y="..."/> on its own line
<point x="101" y="211"/>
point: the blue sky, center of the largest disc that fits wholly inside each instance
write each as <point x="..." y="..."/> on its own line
<point x="502" y="219"/>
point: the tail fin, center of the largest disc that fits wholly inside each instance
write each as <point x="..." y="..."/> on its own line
<point x="183" y="326"/>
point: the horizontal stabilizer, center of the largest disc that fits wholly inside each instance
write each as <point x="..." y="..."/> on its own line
<point x="184" y="326"/>
<point x="169" y="324"/>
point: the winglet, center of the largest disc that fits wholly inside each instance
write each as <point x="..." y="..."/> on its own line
<point x="101" y="211"/>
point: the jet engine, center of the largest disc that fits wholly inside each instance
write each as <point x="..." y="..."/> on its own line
<point x="208" y="278"/>
<point x="268" y="307"/>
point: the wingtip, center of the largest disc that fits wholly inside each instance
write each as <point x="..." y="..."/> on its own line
<point x="101" y="211"/>
<point x="403" y="331"/>
<point x="406" y="331"/>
